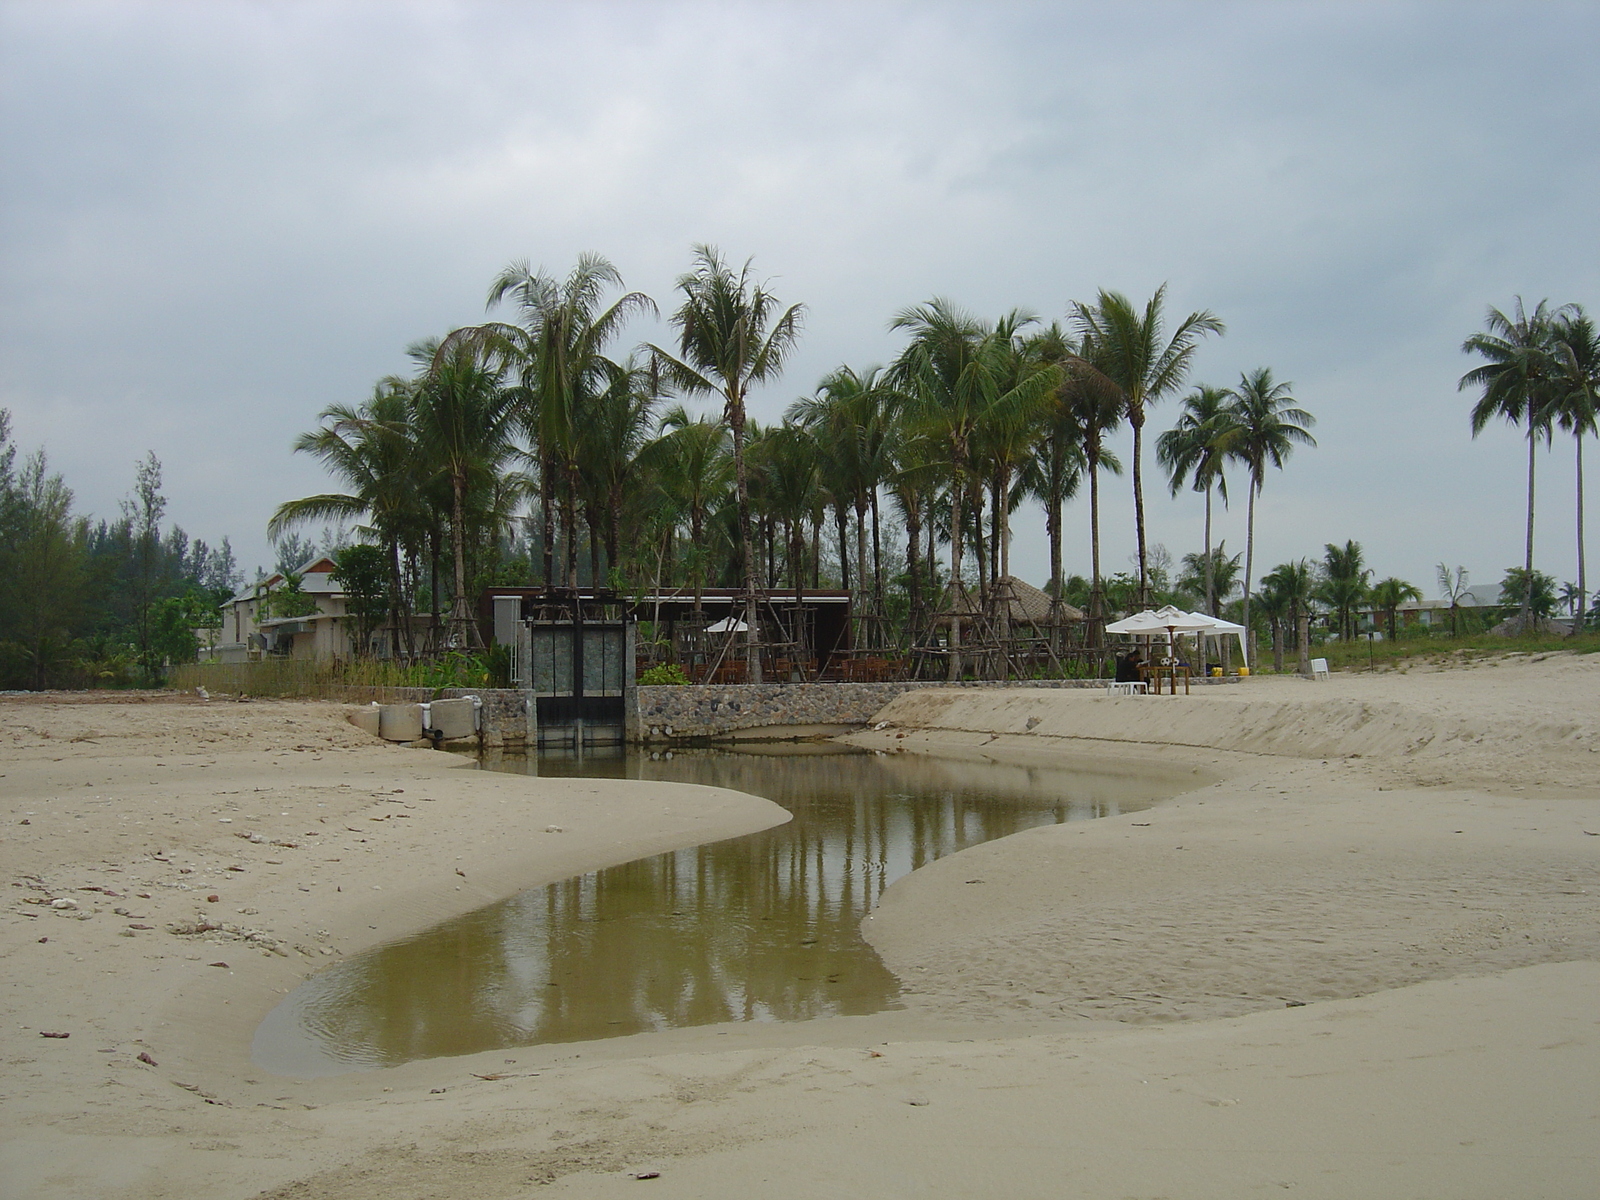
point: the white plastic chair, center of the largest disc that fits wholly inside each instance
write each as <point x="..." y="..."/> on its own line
<point x="1128" y="687"/>
<point x="1319" y="668"/>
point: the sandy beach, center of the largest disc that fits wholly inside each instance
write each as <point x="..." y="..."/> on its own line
<point x="1360" y="958"/>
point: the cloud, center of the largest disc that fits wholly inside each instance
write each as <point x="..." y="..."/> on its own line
<point x="220" y="218"/>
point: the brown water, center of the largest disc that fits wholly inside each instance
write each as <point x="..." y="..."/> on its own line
<point x="764" y="927"/>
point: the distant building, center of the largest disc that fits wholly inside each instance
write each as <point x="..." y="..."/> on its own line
<point x="324" y="634"/>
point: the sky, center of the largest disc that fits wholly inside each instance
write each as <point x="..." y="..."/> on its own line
<point x="218" y="218"/>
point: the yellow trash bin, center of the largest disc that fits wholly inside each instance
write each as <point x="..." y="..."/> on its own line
<point x="1243" y="671"/>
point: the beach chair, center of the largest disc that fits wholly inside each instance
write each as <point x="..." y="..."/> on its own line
<point x="1127" y="687"/>
<point x="1319" y="668"/>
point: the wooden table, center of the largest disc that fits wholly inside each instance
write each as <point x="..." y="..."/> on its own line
<point x="1156" y="672"/>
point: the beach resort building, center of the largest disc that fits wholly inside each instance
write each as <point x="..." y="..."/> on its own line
<point x="252" y="627"/>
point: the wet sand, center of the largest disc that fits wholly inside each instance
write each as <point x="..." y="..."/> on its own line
<point x="1367" y="962"/>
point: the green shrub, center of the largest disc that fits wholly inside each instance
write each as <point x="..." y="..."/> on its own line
<point x="664" y="673"/>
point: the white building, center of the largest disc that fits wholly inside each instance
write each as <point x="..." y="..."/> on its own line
<point x="323" y="634"/>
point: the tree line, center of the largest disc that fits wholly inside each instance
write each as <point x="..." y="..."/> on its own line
<point x="86" y="603"/>
<point x="1541" y="371"/>
<point x="532" y="450"/>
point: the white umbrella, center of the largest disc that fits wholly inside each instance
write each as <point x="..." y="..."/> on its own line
<point x="1166" y="619"/>
<point x="728" y="625"/>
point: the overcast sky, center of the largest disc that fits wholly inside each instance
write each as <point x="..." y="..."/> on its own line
<point x="218" y="218"/>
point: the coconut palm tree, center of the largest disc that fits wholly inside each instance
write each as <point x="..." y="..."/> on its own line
<point x="1008" y="435"/>
<point x="1290" y="586"/>
<point x="1054" y="475"/>
<point x="1452" y="586"/>
<point x="1221" y="577"/>
<point x="1344" y="583"/>
<point x="958" y="377"/>
<point x="912" y="481"/>
<point x="1389" y="594"/>
<point x="731" y="337"/>
<point x="372" y="449"/>
<point x="1269" y="426"/>
<point x="1129" y="348"/>
<point x="852" y="415"/>
<point x="619" y="422"/>
<point x="1092" y="410"/>
<point x="463" y="416"/>
<point x="558" y="348"/>
<point x="692" y="463"/>
<point x="1195" y="452"/>
<point x="1517" y="386"/>
<point x="1577" y="352"/>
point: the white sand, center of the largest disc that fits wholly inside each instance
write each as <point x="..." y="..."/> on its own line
<point x="1105" y="1014"/>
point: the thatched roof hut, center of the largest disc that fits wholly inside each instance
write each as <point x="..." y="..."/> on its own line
<point x="1025" y="605"/>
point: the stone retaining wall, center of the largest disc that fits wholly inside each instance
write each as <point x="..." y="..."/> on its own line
<point x="713" y="712"/>
<point x="677" y="713"/>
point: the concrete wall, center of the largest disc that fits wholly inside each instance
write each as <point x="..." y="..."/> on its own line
<point x="675" y="713"/>
<point x="719" y="712"/>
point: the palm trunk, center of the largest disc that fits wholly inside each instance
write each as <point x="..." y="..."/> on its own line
<point x="747" y="561"/>
<point x="994" y="528"/>
<point x="1003" y="574"/>
<point x="866" y="608"/>
<point x="1249" y="550"/>
<point x="569" y="518"/>
<point x="1527" y="595"/>
<point x="1096" y="599"/>
<point x="547" y="516"/>
<point x="1136" y="419"/>
<point x="877" y="565"/>
<point x="392" y="546"/>
<point x="980" y="543"/>
<point x="957" y="590"/>
<point x="614" y="530"/>
<point x="461" y="623"/>
<point x="697" y="553"/>
<point x="913" y="569"/>
<point x="841" y="524"/>
<point x="1211" y="593"/>
<point x="592" y="527"/>
<point x="1583" y="584"/>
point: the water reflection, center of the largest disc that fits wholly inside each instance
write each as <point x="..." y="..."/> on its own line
<point x="762" y="927"/>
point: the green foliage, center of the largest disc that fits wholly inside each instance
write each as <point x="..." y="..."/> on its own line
<point x="363" y="570"/>
<point x="286" y="600"/>
<point x="173" y="624"/>
<point x="1540" y="596"/>
<point x="664" y="673"/>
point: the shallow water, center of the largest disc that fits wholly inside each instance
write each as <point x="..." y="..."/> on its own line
<point x="763" y="927"/>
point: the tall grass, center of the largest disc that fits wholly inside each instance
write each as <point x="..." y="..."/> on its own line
<point x="356" y="682"/>
<point x="1443" y="650"/>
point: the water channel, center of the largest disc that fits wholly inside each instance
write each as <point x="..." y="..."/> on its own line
<point x="764" y="927"/>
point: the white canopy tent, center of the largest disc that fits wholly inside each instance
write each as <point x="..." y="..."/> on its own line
<point x="1217" y="626"/>
<point x="728" y="625"/>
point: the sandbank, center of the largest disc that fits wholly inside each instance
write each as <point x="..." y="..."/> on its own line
<point x="1361" y="957"/>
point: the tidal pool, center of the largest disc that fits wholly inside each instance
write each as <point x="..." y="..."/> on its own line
<point x="764" y="927"/>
